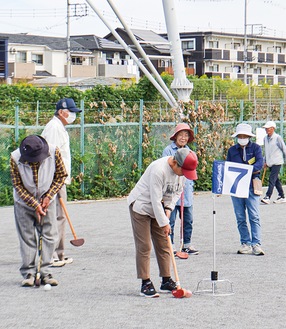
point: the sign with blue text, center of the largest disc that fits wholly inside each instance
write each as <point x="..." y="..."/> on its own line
<point x="231" y="178"/>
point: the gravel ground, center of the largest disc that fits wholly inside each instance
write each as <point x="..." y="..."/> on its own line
<point x="100" y="289"/>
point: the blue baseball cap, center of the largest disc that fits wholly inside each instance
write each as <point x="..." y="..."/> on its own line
<point x="67" y="104"/>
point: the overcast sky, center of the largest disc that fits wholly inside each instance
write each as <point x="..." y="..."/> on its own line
<point x="49" y="17"/>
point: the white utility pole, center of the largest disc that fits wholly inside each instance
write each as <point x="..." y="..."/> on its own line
<point x="68" y="45"/>
<point x="245" y="43"/>
<point x="181" y="85"/>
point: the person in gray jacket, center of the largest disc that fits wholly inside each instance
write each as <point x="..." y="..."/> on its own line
<point x="275" y="154"/>
<point x="150" y="204"/>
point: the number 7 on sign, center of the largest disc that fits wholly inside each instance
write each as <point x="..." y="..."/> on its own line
<point x="242" y="172"/>
<point x="237" y="178"/>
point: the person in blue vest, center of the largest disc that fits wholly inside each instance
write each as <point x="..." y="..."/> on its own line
<point x="250" y="153"/>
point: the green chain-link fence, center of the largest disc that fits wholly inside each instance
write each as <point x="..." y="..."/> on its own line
<point x="111" y="145"/>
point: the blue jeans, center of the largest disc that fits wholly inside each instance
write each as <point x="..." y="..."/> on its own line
<point x="251" y="205"/>
<point x="188" y="223"/>
<point x="275" y="181"/>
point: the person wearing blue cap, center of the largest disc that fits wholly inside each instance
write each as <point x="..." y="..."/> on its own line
<point x="55" y="133"/>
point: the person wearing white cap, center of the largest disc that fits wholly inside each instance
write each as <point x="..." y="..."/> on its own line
<point x="180" y="138"/>
<point x="151" y="202"/>
<point x="275" y="154"/>
<point x="250" y="153"/>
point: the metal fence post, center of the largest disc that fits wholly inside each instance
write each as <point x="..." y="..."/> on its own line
<point x="241" y="111"/>
<point x="17" y="122"/>
<point x="37" y="114"/>
<point x="82" y="142"/>
<point x="140" y="155"/>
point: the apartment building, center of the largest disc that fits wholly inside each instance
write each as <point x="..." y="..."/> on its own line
<point x="32" y="57"/>
<point x="213" y="54"/>
<point x="224" y="55"/>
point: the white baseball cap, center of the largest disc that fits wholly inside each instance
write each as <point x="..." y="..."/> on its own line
<point x="270" y="124"/>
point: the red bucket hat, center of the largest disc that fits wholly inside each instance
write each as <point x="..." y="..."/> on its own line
<point x="180" y="127"/>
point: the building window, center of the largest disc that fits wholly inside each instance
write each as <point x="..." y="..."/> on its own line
<point x="21" y="57"/>
<point x="278" y="71"/>
<point x="214" y="68"/>
<point x="278" y="49"/>
<point x="213" y="44"/>
<point x="257" y="48"/>
<point x="189" y="44"/>
<point x="236" y="45"/>
<point x="37" y="58"/>
<point x="76" y="60"/>
<point x="164" y="63"/>
<point x="257" y="70"/>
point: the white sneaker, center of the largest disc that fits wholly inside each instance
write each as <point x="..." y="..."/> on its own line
<point x="266" y="200"/>
<point x="256" y="249"/>
<point x="245" y="249"/>
<point x="57" y="263"/>
<point x="280" y="200"/>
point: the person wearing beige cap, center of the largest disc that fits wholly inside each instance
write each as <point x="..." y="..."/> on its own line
<point x="250" y="153"/>
<point x="182" y="136"/>
<point x="274" y="157"/>
<point x="151" y="202"/>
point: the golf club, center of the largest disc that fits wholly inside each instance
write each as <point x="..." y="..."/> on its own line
<point x="76" y="242"/>
<point x="179" y="292"/>
<point x="181" y="254"/>
<point x="40" y="247"/>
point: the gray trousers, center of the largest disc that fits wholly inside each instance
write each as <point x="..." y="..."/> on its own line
<point x="27" y="229"/>
<point x="145" y="231"/>
<point x="61" y="224"/>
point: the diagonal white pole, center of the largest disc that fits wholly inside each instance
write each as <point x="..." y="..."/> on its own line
<point x="142" y="52"/>
<point x="132" y="55"/>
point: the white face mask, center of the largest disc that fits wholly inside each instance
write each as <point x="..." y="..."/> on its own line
<point x="243" y="141"/>
<point x="71" y="117"/>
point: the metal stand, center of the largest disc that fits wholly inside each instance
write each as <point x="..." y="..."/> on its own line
<point x="214" y="286"/>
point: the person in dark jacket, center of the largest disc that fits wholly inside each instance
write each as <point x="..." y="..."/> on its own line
<point x="249" y="153"/>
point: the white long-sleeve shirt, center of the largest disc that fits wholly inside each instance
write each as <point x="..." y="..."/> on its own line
<point x="158" y="184"/>
<point x="275" y="150"/>
<point x="55" y="133"/>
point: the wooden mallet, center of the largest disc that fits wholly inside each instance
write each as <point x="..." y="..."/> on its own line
<point x="76" y="242"/>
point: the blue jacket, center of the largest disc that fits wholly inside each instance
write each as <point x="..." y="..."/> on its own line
<point x="254" y="156"/>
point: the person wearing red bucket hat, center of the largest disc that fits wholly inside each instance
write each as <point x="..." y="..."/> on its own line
<point x="151" y="202"/>
<point x="184" y="207"/>
<point x="38" y="172"/>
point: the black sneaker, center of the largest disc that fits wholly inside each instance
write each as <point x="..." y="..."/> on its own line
<point x="148" y="290"/>
<point x="168" y="286"/>
<point x="190" y="251"/>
